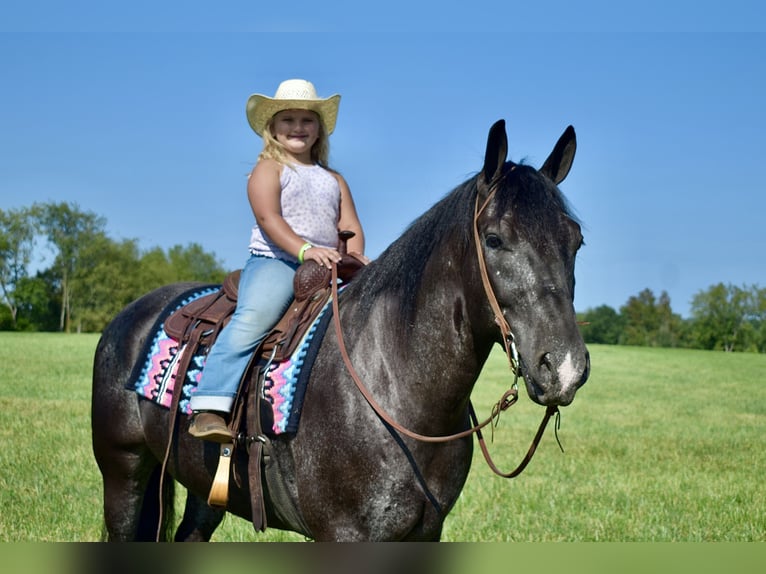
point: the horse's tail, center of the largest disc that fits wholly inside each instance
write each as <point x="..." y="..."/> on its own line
<point x="157" y="518"/>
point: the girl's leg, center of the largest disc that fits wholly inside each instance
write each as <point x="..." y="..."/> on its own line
<point x="265" y="292"/>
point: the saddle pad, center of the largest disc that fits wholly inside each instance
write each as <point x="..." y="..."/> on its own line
<point x="285" y="382"/>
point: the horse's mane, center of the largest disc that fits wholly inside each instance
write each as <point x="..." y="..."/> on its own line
<point x="398" y="271"/>
<point x="536" y="205"/>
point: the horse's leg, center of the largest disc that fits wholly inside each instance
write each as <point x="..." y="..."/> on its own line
<point x="199" y="521"/>
<point x="127" y="510"/>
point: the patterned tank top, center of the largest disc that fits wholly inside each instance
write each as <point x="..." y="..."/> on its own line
<point x="310" y="205"/>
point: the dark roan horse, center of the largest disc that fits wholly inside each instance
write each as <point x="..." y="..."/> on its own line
<point x="418" y="327"/>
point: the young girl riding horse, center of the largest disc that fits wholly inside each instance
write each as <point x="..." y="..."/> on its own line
<point x="299" y="205"/>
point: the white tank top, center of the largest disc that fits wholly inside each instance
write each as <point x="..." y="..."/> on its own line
<point x="310" y="203"/>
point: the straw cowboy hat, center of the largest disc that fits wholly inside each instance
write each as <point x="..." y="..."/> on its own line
<point x="292" y="95"/>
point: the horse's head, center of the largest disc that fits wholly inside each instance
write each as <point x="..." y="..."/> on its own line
<point x="529" y="241"/>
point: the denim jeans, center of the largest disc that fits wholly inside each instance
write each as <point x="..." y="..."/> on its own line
<point x="265" y="292"/>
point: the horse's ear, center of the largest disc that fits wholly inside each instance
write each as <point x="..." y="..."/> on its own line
<point x="558" y="164"/>
<point x="497" y="150"/>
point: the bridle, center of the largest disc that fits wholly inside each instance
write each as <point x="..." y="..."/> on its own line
<point x="509" y="344"/>
<point x="509" y="397"/>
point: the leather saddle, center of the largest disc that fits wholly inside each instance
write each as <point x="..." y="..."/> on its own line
<point x="201" y="321"/>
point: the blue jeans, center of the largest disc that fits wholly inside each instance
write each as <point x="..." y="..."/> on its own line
<point x="265" y="292"/>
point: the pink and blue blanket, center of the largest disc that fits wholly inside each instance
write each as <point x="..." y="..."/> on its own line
<point x="154" y="377"/>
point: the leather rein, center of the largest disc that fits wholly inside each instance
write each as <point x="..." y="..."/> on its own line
<point x="509" y="397"/>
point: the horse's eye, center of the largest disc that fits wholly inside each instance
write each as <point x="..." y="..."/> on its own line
<point x="493" y="241"/>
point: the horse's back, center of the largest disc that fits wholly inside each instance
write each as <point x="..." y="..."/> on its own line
<point x="114" y="409"/>
<point x="124" y="336"/>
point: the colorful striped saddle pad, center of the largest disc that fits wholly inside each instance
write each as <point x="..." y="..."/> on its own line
<point x="154" y="377"/>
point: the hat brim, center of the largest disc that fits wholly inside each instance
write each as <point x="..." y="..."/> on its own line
<point x="260" y="109"/>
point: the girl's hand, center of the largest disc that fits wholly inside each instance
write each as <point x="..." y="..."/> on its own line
<point x="322" y="255"/>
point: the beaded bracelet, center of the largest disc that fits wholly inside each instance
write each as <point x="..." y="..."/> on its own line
<point x="305" y="247"/>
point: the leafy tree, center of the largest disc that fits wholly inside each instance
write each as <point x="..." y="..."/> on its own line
<point x="154" y="270"/>
<point x="640" y="318"/>
<point x="685" y="335"/>
<point x="730" y="318"/>
<point x="39" y="306"/>
<point x="106" y="281"/>
<point x="720" y="316"/>
<point x="17" y="231"/>
<point x="68" y="230"/>
<point x="91" y="278"/>
<point x="603" y="325"/>
<point x="7" y="323"/>
<point x="192" y="263"/>
<point x="649" y="321"/>
<point x="111" y="275"/>
<point x="669" y="324"/>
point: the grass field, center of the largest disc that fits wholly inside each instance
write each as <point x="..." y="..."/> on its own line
<point x="660" y="445"/>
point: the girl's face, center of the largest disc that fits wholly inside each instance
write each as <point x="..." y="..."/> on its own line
<point x="297" y="131"/>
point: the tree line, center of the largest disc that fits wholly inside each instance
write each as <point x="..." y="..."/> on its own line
<point x="84" y="277"/>
<point x="723" y="317"/>
<point x="90" y="277"/>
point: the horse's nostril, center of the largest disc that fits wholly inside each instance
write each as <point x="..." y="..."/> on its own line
<point x="545" y="361"/>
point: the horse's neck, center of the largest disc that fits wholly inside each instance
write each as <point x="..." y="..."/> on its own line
<point x="451" y="323"/>
<point x="432" y="363"/>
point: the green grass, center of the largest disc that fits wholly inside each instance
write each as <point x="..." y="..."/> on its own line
<point x="49" y="482"/>
<point x="660" y="445"/>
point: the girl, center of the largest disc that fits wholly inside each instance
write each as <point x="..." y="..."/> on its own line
<point x="299" y="205"/>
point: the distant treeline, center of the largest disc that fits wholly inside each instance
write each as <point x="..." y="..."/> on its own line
<point x="91" y="277"/>
<point x="723" y="317"/>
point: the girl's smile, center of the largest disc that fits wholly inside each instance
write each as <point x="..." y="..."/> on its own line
<point x="297" y="131"/>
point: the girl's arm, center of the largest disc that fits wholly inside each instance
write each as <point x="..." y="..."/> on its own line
<point x="349" y="220"/>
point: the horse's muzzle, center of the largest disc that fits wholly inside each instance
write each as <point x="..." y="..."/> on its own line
<point x="554" y="380"/>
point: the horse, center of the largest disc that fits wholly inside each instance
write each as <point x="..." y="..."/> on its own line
<point x="418" y="326"/>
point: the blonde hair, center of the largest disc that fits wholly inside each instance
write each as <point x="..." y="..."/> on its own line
<point x="272" y="149"/>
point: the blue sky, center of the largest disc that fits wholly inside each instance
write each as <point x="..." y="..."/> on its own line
<point x="137" y="114"/>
